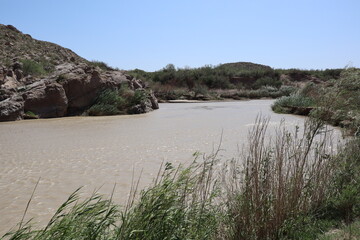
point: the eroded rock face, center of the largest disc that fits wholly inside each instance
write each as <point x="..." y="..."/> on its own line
<point x="69" y="88"/>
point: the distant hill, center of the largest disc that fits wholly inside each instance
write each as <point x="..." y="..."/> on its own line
<point x="245" y="66"/>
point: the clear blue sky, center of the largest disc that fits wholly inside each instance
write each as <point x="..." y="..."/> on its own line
<point x="148" y="34"/>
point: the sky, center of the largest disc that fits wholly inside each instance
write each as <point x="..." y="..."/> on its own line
<point x="149" y="34"/>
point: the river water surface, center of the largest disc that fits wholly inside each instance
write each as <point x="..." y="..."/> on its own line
<point x="97" y="152"/>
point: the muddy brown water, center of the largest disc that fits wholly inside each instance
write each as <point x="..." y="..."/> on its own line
<point x="97" y="152"/>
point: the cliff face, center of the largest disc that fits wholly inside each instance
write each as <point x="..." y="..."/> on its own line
<point x="42" y="79"/>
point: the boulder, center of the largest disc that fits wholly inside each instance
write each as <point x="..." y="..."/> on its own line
<point x="10" y="82"/>
<point x="82" y="90"/>
<point x="5" y="94"/>
<point x="143" y="107"/>
<point x="153" y="100"/>
<point x="46" y="99"/>
<point x="11" y="109"/>
<point x="116" y="78"/>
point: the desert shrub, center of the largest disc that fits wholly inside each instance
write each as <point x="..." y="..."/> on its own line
<point x="101" y="65"/>
<point x="267" y="81"/>
<point x="344" y="203"/>
<point x="296" y="100"/>
<point x="109" y="102"/>
<point x="138" y="97"/>
<point x="338" y="102"/>
<point x="47" y="64"/>
<point x="139" y="74"/>
<point x="32" y="68"/>
<point x="287" y="104"/>
<point x="286" y="90"/>
<point x="346" y="91"/>
<point x="264" y="92"/>
<point x="215" y="81"/>
<point x="7" y="62"/>
<point x="200" y="90"/>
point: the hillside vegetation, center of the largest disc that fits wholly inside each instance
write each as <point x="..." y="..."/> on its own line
<point x="232" y="80"/>
<point x="337" y="102"/>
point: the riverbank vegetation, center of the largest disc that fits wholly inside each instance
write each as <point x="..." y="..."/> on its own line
<point x="337" y="102"/>
<point x="296" y="186"/>
<point x="120" y="101"/>
<point x="232" y="80"/>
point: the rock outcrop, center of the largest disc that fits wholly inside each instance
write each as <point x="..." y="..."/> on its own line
<point x="66" y="84"/>
<point x="45" y="98"/>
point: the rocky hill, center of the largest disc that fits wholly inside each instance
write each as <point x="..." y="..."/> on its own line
<point x="40" y="79"/>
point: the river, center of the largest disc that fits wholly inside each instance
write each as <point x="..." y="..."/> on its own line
<point x="97" y="152"/>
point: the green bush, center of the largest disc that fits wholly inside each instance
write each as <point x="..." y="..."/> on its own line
<point x="344" y="201"/>
<point x="31" y="114"/>
<point x="138" y="98"/>
<point x="200" y="90"/>
<point x="286" y="90"/>
<point x="290" y="104"/>
<point x="113" y="101"/>
<point x="109" y="102"/>
<point x="100" y="64"/>
<point x="32" y="68"/>
<point x="337" y="102"/>
<point x="267" y="81"/>
<point x="304" y="227"/>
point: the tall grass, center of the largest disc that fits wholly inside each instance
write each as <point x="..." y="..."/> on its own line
<point x="261" y="194"/>
<point x="276" y="181"/>
<point x="92" y="218"/>
<point x="178" y="206"/>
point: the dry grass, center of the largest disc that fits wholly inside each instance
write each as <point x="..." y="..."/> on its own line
<point x="274" y="181"/>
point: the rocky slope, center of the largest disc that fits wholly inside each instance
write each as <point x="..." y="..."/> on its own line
<point x="42" y="79"/>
